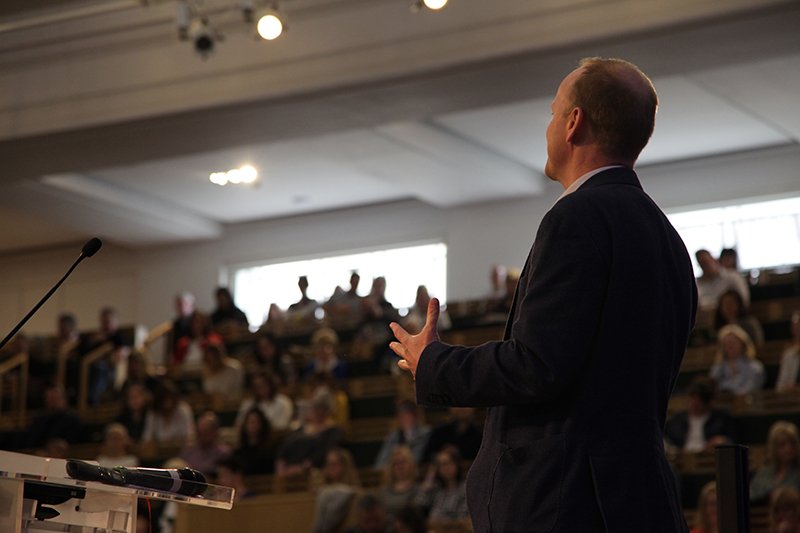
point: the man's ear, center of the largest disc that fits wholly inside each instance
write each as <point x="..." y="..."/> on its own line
<point x="576" y="125"/>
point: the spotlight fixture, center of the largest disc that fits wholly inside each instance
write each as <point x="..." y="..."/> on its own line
<point x="195" y="27"/>
<point x="269" y="23"/>
<point x="433" y="5"/>
<point x="244" y="175"/>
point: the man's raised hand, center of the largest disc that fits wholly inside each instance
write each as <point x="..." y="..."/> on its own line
<point x="409" y="347"/>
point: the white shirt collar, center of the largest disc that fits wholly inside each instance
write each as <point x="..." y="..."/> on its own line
<point x="583" y="179"/>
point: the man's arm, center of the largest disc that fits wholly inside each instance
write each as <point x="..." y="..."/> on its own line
<point x="555" y="323"/>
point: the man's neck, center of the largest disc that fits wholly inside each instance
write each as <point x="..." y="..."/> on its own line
<point x="583" y="164"/>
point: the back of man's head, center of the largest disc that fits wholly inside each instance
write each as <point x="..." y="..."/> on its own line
<point x="620" y="103"/>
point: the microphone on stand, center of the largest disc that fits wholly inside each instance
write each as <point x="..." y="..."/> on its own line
<point x="88" y="250"/>
<point x="179" y="481"/>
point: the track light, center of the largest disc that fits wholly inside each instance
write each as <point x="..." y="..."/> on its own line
<point x="433" y="5"/>
<point x="196" y="28"/>
<point x="203" y="37"/>
<point x="269" y="23"/>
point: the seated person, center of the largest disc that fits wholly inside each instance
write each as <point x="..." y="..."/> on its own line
<point x="56" y="422"/>
<point x="227" y="316"/>
<point x="138" y="373"/>
<point x="223" y="376"/>
<point x="444" y="492"/>
<point x="715" y="280"/>
<point x="790" y="359"/>
<point x="188" y="354"/>
<point x="136" y="405"/>
<point x="400" y="488"/>
<point x="305" y="307"/>
<point x="782" y="468"/>
<point x="207" y="449"/>
<point x="336" y="484"/>
<point x="731" y="309"/>
<point x="701" y="427"/>
<point x="370" y="516"/>
<point x="460" y="432"/>
<point x="116" y="448"/>
<point x="345" y="305"/>
<point x="181" y="324"/>
<point x="170" y="421"/>
<point x="230" y="473"/>
<point x="784" y="511"/>
<point x="409" y="432"/>
<point x="256" y="447"/>
<point x="107" y="374"/>
<point x="277" y="407"/>
<point x="324" y="343"/>
<point x="306" y="447"/>
<point x="268" y="356"/>
<point x="706" y="516"/>
<point x="736" y="369"/>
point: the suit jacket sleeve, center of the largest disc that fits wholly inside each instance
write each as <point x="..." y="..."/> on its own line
<point x="553" y="322"/>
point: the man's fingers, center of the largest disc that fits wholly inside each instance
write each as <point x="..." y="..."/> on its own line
<point x="433" y="313"/>
<point x="403" y="364"/>
<point x="400" y="334"/>
<point x="398" y="348"/>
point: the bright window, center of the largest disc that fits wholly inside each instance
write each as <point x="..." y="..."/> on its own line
<point x="765" y="234"/>
<point x="255" y="287"/>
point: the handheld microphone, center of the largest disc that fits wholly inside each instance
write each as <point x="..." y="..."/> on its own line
<point x="179" y="481"/>
<point x="88" y="250"/>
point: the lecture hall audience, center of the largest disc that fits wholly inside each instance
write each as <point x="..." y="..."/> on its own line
<point x="782" y="468"/>
<point x="276" y="406"/>
<point x="790" y="359"/>
<point x="715" y="280"/>
<point x="408" y="432"/>
<point x="736" y="368"/>
<point x="400" y="487"/>
<point x="256" y="448"/>
<point x="731" y="309"/>
<point x="701" y="427"/>
<point x="706" y="516"/>
<point x="170" y="420"/>
<point x="784" y="511"/>
<point x="207" y="449"/>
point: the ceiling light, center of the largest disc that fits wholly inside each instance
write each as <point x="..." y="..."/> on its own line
<point x="269" y="25"/>
<point x="244" y="175"/>
<point x="433" y="5"/>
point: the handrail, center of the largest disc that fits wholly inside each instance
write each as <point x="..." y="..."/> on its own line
<point x="19" y="360"/>
<point x="64" y="351"/>
<point x="86" y="365"/>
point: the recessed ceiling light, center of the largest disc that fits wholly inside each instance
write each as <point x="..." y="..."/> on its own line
<point x="244" y="175"/>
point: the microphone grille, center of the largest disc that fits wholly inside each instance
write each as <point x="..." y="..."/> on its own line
<point x="91" y="247"/>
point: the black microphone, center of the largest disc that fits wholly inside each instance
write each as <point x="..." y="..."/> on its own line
<point x="88" y="250"/>
<point x="179" y="481"/>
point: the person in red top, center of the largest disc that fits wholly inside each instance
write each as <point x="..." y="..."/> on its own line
<point x="188" y="352"/>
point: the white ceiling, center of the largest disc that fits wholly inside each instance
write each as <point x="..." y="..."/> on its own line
<point x="479" y="141"/>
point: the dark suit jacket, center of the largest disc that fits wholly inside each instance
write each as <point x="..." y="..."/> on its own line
<point x="578" y="388"/>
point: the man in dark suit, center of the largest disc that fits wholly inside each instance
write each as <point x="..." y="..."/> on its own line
<point x="578" y="389"/>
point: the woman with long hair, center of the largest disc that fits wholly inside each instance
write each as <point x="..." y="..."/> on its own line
<point x="782" y="468"/>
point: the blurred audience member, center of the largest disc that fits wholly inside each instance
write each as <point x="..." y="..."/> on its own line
<point x="256" y="449"/>
<point x="230" y="473"/>
<point x="729" y="258"/>
<point x="732" y="310"/>
<point x="376" y="306"/>
<point x="116" y="448"/>
<point x="182" y="323"/>
<point x="417" y="315"/>
<point x="336" y="485"/>
<point x="138" y="373"/>
<point x="736" y="369"/>
<point x="108" y="373"/>
<point x="223" y="376"/>
<point x="70" y="346"/>
<point x="306" y="447"/>
<point x="136" y="404"/>
<point x="790" y="359"/>
<point x="701" y="427"/>
<point x="324" y="383"/>
<point x="276" y="407"/>
<point x="171" y="420"/>
<point x="503" y="304"/>
<point x="370" y="516"/>
<point x="324" y="343"/>
<point x="706" y="516"/>
<point x="346" y="305"/>
<point x="188" y="354"/>
<point x="444" y="493"/>
<point x="305" y="306"/>
<point x="227" y="315"/>
<point x="497" y="283"/>
<point x="460" y="431"/>
<point x="55" y="449"/>
<point x="410" y="432"/>
<point x="400" y="488"/>
<point x="782" y="468"/>
<point x="269" y="356"/>
<point x="57" y="421"/>
<point x="784" y="511"/>
<point x="207" y="449"/>
<point x="715" y="280"/>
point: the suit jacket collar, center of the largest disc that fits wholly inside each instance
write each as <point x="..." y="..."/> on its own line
<point x="613" y="176"/>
